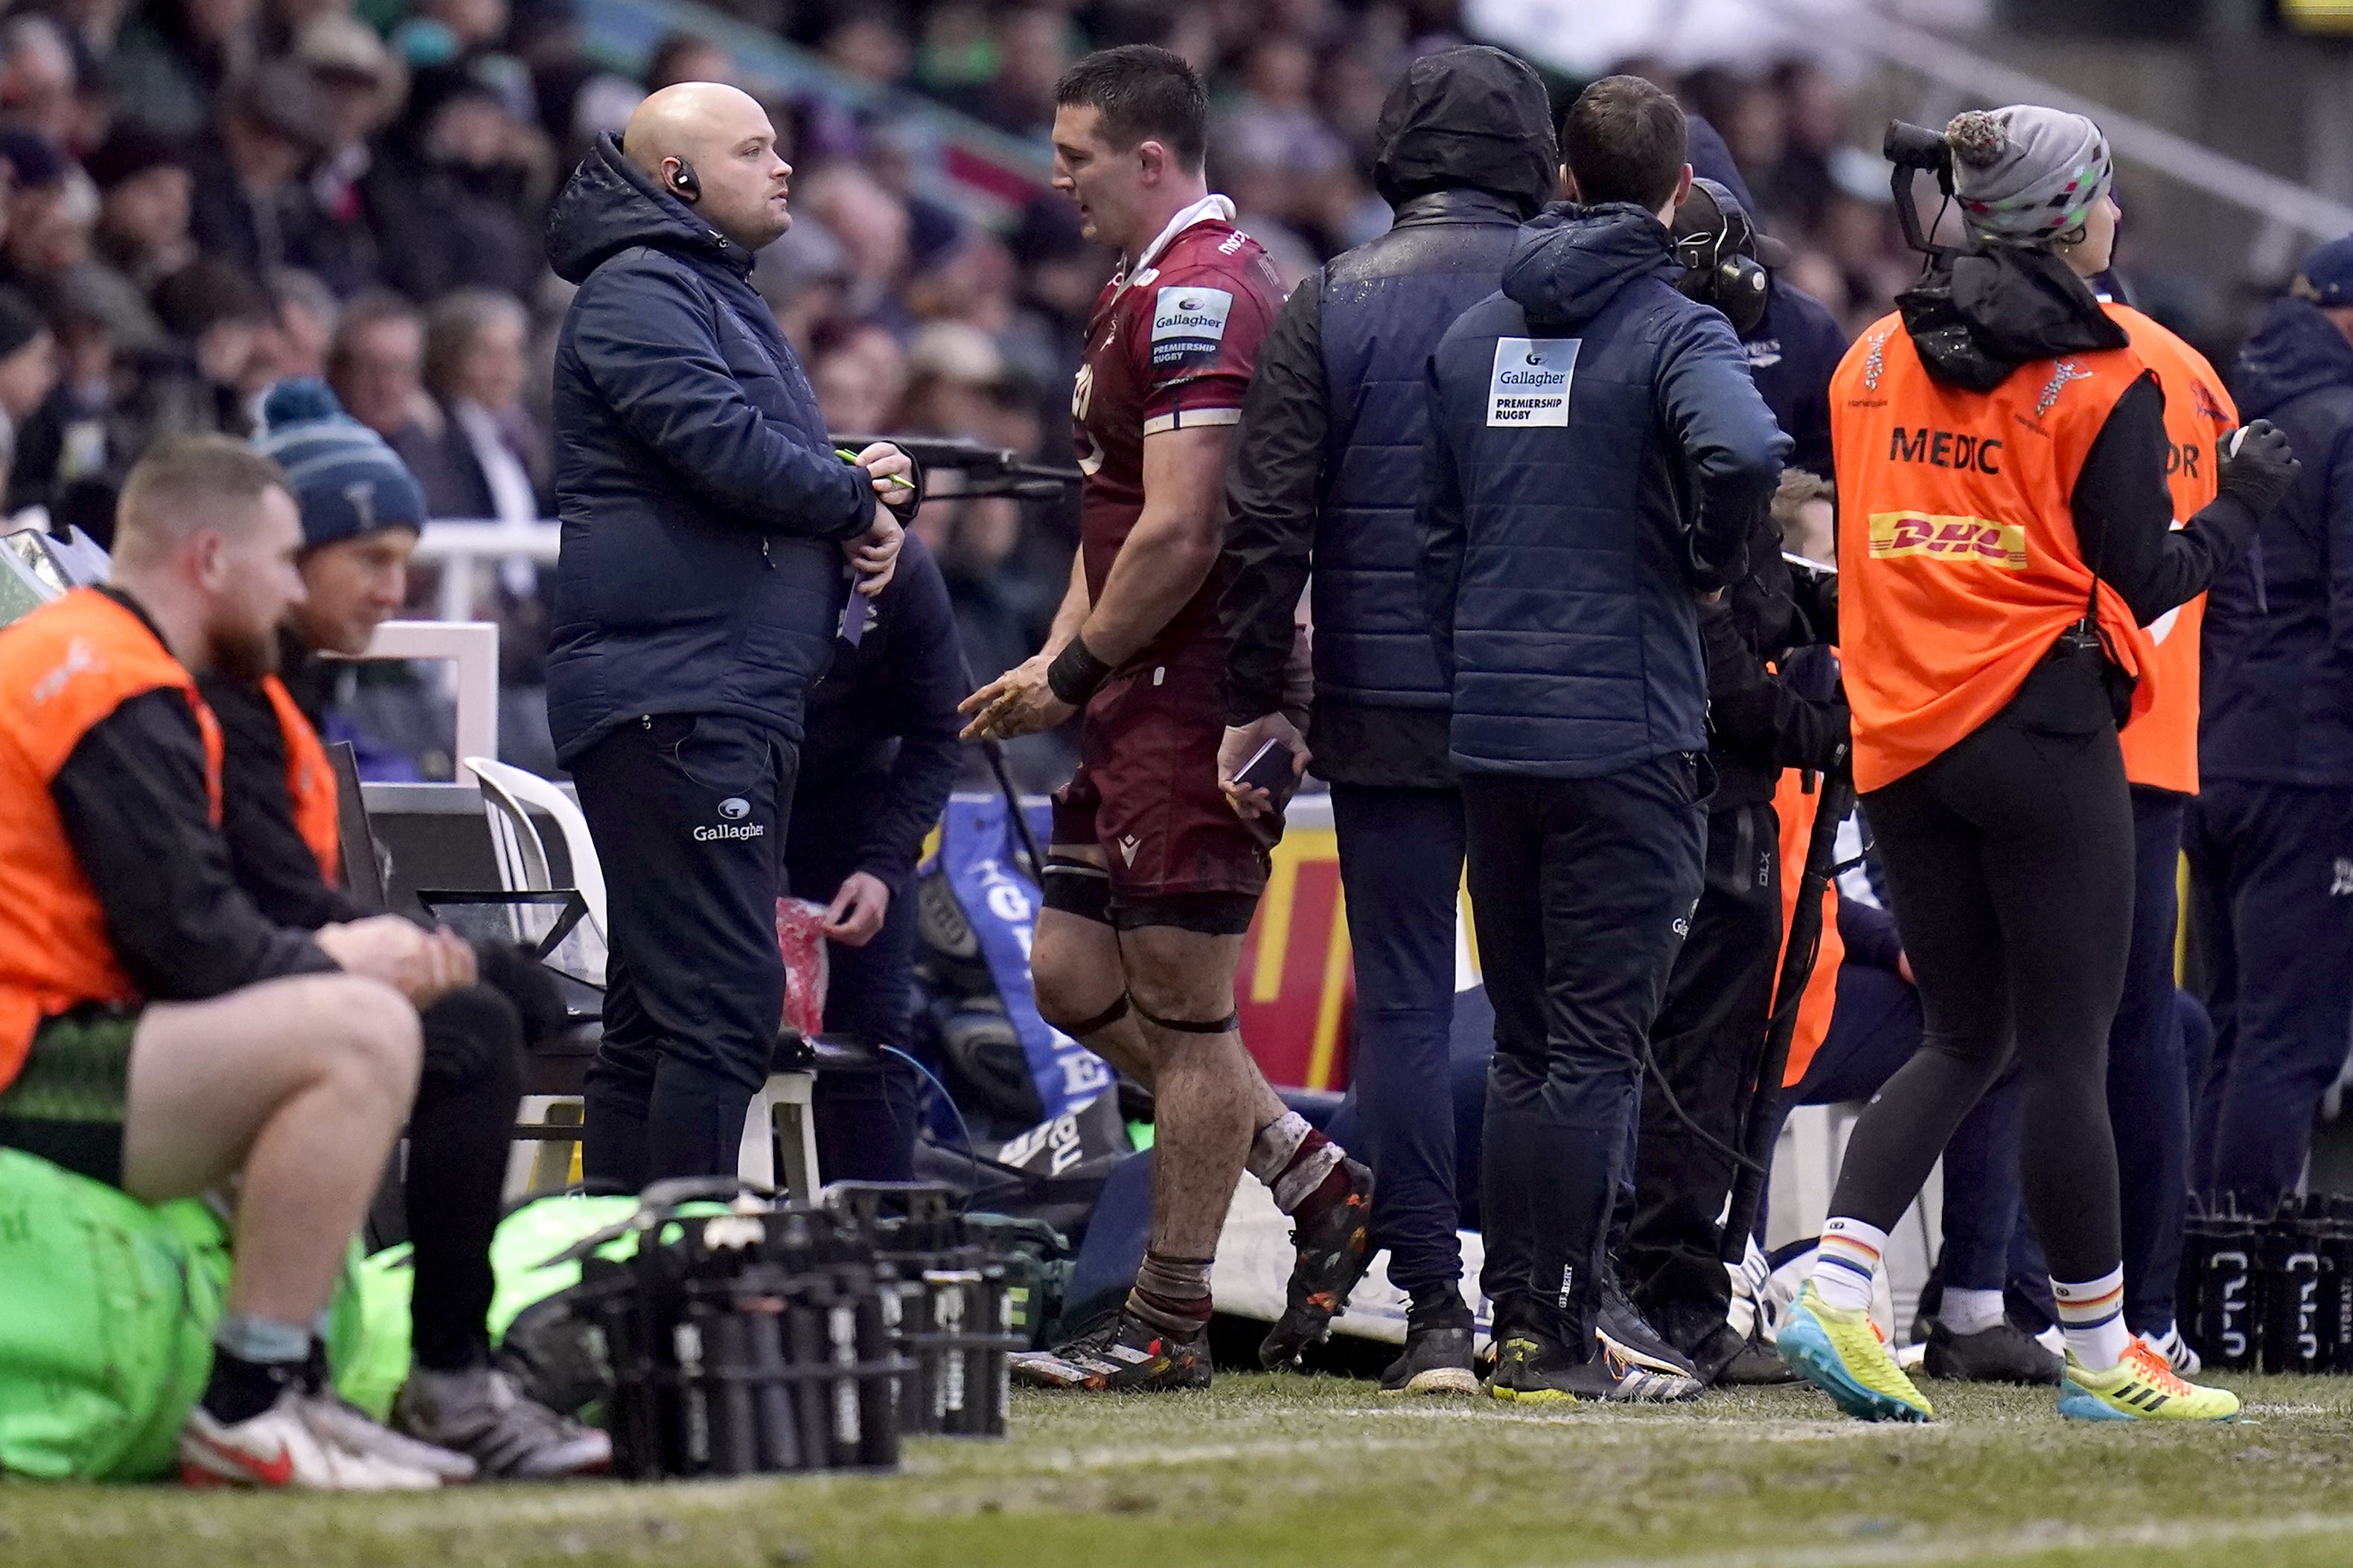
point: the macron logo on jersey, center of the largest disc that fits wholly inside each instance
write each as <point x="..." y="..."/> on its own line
<point x="1187" y="320"/>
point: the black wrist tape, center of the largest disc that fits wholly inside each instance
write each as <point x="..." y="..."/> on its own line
<point x="1075" y="673"/>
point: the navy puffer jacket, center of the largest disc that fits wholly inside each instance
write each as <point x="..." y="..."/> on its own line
<point x="702" y="503"/>
<point x="2277" y="700"/>
<point x="1599" y="453"/>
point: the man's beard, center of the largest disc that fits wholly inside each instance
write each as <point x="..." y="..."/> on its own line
<point x="243" y="655"/>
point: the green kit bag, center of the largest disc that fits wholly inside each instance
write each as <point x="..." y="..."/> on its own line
<point x="107" y="1309"/>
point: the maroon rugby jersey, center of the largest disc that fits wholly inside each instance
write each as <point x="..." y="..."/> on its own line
<point x="1170" y="345"/>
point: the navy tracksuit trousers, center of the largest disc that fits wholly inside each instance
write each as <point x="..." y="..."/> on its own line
<point x="2148" y="1081"/>
<point x="2275" y="864"/>
<point x="1401" y="872"/>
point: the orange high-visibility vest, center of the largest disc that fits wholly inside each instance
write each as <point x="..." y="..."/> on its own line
<point x="1797" y="807"/>
<point x="63" y="669"/>
<point x="310" y="783"/>
<point x="1958" y="565"/>
<point x="2161" y="745"/>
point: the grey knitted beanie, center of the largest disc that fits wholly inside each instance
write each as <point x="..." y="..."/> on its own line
<point x="2026" y="174"/>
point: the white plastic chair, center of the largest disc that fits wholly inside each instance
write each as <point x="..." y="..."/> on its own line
<point x="779" y="1119"/>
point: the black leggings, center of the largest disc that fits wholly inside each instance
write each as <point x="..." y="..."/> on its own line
<point x="2009" y="865"/>
<point x="458" y="1137"/>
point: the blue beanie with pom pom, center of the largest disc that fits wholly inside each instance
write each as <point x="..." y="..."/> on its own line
<point x="348" y="481"/>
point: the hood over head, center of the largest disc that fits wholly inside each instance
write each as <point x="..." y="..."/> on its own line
<point x="1977" y="315"/>
<point x="609" y="205"/>
<point x="1569" y="261"/>
<point x="1473" y="116"/>
<point x="2296" y="351"/>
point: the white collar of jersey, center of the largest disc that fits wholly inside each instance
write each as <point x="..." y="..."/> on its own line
<point x="1212" y="206"/>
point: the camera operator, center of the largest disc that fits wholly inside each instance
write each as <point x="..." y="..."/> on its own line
<point x="2001" y="458"/>
<point x="1322" y="486"/>
<point x="877" y="763"/>
<point x="705" y="519"/>
<point x="1708" y="1039"/>
<point x="1598" y="461"/>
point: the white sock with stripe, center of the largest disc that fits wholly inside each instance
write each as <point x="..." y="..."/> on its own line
<point x="1846" y="1260"/>
<point x="2091" y="1316"/>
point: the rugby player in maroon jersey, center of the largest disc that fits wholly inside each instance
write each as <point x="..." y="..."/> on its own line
<point x="1151" y="878"/>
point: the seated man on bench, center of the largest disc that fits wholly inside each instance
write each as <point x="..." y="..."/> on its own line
<point x="156" y="1032"/>
<point x="361" y="515"/>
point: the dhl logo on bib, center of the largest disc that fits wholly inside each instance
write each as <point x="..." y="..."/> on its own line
<point x="1894" y="533"/>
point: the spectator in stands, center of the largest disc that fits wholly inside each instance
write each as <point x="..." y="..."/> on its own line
<point x="360" y="89"/>
<point x="376" y="365"/>
<point x="252" y="205"/>
<point x="144" y="192"/>
<point x="218" y="310"/>
<point x="489" y="460"/>
<point x="50" y="230"/>
<point x="38" y="77"/>
<point x="857" y="391"/>
<point x="449" y="195"/>
<point x="28" y="368"/>
<point x="305" y="311"/>
<point x="173" y="59"/>
<point x="687" y="57"/>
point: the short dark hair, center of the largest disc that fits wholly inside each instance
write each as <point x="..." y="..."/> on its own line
<point x="1144" y="93"/>
<point x="1625" y="140"/>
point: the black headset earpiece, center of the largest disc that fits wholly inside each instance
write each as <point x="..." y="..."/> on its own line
<point x="684" y="182"/>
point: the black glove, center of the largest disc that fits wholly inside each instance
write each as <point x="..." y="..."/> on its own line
<point x="2257" y="466"/>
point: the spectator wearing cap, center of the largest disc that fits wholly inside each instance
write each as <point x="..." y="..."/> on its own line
<point x="28" y="367"/>
<point x="360" y="86"/>
<point x="171" y="62"/>
<point x="2271" y="833"/>
<point x="252" y="204"/>
<point x="144" y="203"/>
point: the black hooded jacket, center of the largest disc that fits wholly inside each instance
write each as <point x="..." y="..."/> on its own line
<point x="1977" y="317"/>
<point x="701" y="503"/>
<point x="1326" y="469"/>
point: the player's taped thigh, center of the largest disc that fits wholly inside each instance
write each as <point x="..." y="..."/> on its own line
<point x="1076" y="887"/>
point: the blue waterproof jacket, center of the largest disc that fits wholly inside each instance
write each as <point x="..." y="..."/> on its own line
<point x="702" y="503"/>
<point x="1599" y="453"/>
<point x="2276" y="698"/>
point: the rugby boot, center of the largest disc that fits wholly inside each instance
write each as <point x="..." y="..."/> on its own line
<point x="291" y="1445"/>
<point x="1618" y="1326"/>
<point x="2176" y="1350"/>
<point x="1726" y="1358"/>
<point x="1843" y="1354"/>
<point x="1437" y="1360"/>
<point x="484" y="1416"/>
<point x="1126" y="1355"/>
<point x="2002" y="1354"/>
<point x="1336" y="1249"/>
<point x="1532" y="1369"/>
<point x="2141" y="1387"/>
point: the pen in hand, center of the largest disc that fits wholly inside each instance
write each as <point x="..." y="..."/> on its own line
<point x="847" y="456"/>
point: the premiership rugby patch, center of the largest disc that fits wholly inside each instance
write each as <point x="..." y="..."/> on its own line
<point x="1531" y="382"/>
<point x="1188" y="322"/>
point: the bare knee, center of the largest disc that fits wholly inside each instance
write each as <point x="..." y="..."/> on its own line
<point x="369" y="1035"/>
<point x="1181" y="976"/>
<point x="1074" y="985"/>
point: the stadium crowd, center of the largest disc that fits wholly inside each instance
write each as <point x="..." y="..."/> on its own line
<point x="206" y="196"/>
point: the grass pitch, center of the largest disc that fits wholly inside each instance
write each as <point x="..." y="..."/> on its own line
<point x="1323" y="1471"/>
